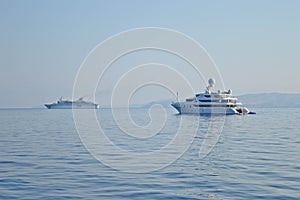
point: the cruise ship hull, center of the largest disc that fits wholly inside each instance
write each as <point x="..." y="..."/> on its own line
<point x="72" y="106"/>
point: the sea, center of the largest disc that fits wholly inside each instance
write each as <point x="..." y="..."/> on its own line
<point x="135" y="154"/>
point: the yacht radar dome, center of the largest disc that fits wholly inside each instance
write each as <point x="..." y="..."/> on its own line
<point x="211" y="82"/>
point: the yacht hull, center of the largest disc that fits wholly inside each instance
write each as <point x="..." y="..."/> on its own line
<point x="183" y="108"/>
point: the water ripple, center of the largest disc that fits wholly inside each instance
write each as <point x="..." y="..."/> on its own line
<point x="257" y="157"/>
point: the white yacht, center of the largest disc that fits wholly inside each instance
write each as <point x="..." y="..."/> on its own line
<point x="209" y="102"/>
<point x="78" y="104"/>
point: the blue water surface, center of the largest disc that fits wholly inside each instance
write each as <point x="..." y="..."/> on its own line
<point x="256" y="157"/>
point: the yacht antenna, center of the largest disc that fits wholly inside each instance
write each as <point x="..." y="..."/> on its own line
<point x="177" y="96"/>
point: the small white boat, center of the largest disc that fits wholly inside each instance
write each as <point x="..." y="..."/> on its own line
<point x="78" y="104"/>
<point x="209" y="102"/>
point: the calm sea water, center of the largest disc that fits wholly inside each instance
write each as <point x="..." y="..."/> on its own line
<point x="256" y="157"/>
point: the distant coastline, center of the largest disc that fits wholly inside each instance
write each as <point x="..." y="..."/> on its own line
<point x="271" y="100"/>
<point x="257" y="100"/>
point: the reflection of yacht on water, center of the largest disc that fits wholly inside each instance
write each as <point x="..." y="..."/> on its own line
<point x="221" y="102"/>
<point x="78" y="104"/>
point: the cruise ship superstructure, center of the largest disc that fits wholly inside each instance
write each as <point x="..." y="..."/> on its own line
<point x="209" y="102"/>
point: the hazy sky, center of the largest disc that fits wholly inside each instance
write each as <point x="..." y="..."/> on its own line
<point x="255" y="44"/>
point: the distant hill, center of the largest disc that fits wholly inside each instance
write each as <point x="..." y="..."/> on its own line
<point x="263" y="100"/>
<point x="271" y="100"/>
<point x="164" y="103"/>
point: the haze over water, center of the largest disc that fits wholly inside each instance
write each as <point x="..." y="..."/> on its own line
<point x="250" y="47"/>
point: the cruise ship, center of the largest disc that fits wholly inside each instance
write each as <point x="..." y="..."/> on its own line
<point x="78" y="104"/>
<point x="209" y="102"/>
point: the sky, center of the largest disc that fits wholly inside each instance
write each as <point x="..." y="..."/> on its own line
<point x="255" y="44"/>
